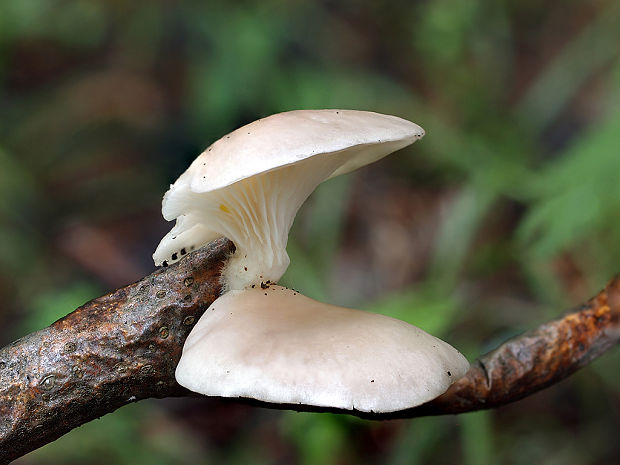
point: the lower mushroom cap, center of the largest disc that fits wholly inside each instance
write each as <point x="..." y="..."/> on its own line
<point x="276" y="345"/>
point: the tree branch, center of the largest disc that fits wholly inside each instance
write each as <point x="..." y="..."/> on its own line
<point x="124" y="347"/>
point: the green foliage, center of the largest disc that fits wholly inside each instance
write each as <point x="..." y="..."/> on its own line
<point x="318" y="438"/>
<point x="577" y="197"/>
<point x="47" y="308"/>
<point x="477" y="437"/>
<point x="124" y="438"/>
<point x="428" y="309"/>
<point x="79" y="23"/>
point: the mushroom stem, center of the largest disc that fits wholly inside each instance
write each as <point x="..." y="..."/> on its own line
<point x="257" y="214"/>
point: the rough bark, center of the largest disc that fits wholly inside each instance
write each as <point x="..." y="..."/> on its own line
<point x="113" y="350"/>
<point x="534" y="360"/>
<point x="124" y="347"/>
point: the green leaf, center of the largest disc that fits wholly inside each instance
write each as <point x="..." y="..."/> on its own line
<point x="428" y="310"/>
<point x="577" y="195"/>
<point x="51" y="306"/>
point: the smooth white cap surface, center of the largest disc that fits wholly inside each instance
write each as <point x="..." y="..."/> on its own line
<point x="276" y="345"/>
<point x="290" y="137"/>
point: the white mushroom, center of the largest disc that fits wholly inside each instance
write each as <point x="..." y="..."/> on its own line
<point x="276" y="345"/>
<point x="249" y="185"/>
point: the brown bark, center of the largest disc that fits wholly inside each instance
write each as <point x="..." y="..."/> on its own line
<point x="114" y="350"/>
<point x="536" y="359"/>
<point x="124" y="347"/>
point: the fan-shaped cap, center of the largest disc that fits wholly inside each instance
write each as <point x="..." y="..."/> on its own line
<point x="287" y="138"/>
<point x="276" y="345"/>
<point x="248" y="185"/>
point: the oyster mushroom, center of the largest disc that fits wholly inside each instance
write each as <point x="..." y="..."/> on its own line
<point x="248" y="185"/>
<point x="276" y="345"/>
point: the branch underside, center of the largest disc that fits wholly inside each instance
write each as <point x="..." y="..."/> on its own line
<point x="124" y="347"/>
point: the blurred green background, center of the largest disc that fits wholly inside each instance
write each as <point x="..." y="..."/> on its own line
<point x="504" y="215"/>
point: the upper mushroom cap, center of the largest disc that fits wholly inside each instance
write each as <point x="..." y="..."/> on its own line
<point x="248" y="185"/>
<point x="290" y="137"/>
<point x="276" y="345"/>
